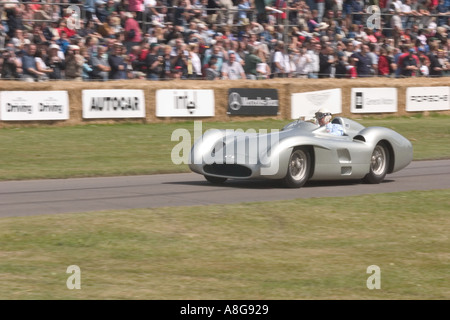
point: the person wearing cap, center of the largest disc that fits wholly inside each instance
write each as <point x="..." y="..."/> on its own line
<point x="74" y="63"/>
<point x="55" y="62"/>
<point x="323" y="117"/>
<point x="410" y="64"/>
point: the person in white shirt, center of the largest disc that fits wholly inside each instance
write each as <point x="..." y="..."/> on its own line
<point x="314" y="64"/>
<point x="232" y="70"/>
<point x="302" y="61"/>
<point x="281" y="61"/>
<point x="195" y="61"/>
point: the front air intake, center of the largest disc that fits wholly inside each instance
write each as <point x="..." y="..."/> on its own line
<point x="229" y="170"/>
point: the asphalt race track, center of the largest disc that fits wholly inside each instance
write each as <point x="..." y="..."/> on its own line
<point x="24" y="198"/>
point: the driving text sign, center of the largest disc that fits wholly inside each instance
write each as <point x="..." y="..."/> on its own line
<point x="34" y="105"/>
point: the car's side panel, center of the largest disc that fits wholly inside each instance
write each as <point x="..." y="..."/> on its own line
<point x="343" y="159"/>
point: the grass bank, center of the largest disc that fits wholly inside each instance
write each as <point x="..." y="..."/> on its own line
<point x="128" y="149"/>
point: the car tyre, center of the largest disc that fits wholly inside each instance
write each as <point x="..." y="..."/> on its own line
<point x="299" y="168"/>
<point x="379" y="164"/>
<point x="215" y="180"/>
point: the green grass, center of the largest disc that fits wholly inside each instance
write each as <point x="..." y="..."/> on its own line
<point x="300" y="249"/>
<point x="128" y="149"/>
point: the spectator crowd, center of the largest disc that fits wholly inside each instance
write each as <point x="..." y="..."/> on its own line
<point x="98" y="40"/>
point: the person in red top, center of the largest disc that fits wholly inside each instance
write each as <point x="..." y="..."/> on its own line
<point x="384" y="63"/>
<point x="351" y="68"/>
<point x="136" y="6"/>
<point x="133" y="33"/>
<point x="371" y="36"/>
<point x="63" y="27"/>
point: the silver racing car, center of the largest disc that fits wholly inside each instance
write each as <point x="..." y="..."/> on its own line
<point x="301" y="151"/>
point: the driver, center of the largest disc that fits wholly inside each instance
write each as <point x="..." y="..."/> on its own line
<point x="324" y="116"/>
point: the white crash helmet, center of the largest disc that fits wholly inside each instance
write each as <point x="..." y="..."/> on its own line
<point x="323" y="113"/>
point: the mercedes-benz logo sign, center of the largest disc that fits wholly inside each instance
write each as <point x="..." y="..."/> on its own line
<point x="235" y="101"/>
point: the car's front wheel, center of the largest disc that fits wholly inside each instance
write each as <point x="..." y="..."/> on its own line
<point x="299" y="168"/>
<point x="379" y="163"/>
<point x="215" y="180"/>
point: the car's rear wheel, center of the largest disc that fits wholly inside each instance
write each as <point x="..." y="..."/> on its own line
<point x="379" y="163"/>
<point x="299" y="168"/>
<point x="215" y="180"/>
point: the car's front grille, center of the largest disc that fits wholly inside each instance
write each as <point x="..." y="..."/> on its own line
<point x="230" y="170"/>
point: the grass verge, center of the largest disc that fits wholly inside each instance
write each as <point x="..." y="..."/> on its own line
<point x="300" y="249"/>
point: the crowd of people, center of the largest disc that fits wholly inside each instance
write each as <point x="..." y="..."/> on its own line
<point x="100" y="40"/>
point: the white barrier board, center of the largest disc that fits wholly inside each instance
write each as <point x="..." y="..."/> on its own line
<point x="34" y="105"/>
<point x="120" y="103"/>
<point x="373" y="100"/>
<point x="306" y="104"/>
<point x="185" y="103"/>
<point x="427" y="98"/>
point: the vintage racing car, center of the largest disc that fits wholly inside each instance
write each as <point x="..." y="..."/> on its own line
<point x="301" y="151"/>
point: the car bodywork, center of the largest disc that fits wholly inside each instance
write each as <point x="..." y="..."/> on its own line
<point x="361" y="153"/>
